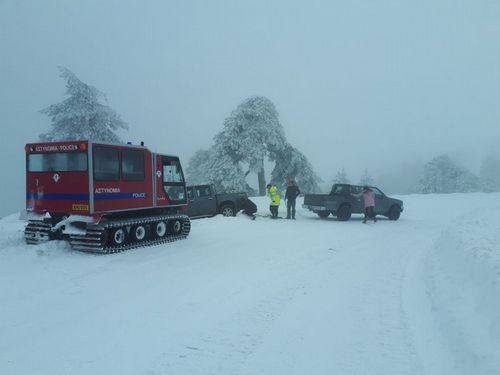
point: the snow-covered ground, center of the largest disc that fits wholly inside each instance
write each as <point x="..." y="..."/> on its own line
<point x="311" y="296"/>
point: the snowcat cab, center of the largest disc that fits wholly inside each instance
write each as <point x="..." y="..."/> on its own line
<point x="102" y="197"/>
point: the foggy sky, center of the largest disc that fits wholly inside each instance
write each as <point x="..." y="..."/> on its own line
<point x="358" y="84"/>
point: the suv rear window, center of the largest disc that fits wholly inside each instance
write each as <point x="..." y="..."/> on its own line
<point x="57" y="162"/>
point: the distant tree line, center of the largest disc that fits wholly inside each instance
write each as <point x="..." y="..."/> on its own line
<point x="442" y="174"/>
<point x="342" y="178"/>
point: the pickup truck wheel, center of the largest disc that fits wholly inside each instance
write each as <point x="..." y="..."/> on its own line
<point x="394" y="213"/>
<point x="227" y="210"/>
<point x="344" y="213"/>
<point x="323" y="214"/>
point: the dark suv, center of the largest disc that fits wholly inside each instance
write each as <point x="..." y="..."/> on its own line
<point x="342" y="204"/>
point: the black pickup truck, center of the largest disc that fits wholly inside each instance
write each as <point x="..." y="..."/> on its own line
<point x="342" y="204"/>
<point x="204" y="201"/>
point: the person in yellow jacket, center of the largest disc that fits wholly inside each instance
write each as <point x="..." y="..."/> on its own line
<point x="273" y="193"/>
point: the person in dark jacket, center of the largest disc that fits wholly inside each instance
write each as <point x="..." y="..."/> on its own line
<point x="249" y="208"/>
<point x="292" y="192"/>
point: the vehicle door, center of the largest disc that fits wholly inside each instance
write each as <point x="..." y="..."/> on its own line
<point x="136" y="183"/>
<point x="358" y="204"/>
<point x="381" y="201"/>
<point x="205" y="200"/>
<point x="192" y="203"/>
<point x="170" y="185"/>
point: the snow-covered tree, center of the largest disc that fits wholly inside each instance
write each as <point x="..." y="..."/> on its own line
<point x="251" y="134"/>
<point x="442" y="175"/>
<point x="81" y="115"/>
<point x="366" y="179"/>
<point x="489" y="172"/>
<point x="226" y="174"/>
<point x="341" y="177"/>
<point x="198" y="166"/>
<point x="291" y="164"/>
<point x="213" y="167"/>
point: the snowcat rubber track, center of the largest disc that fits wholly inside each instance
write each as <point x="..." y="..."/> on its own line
<point x="95" y="240"/>
<point x="37" y="232"/>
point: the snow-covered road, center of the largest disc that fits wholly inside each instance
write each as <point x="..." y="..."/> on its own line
<point x="309" y="296"/>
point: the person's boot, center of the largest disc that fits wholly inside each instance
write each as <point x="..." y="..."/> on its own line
<point x="364" y="221"/>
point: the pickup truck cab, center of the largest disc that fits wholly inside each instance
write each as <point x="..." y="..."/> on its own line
<point x="204" y="201"/>
<point x="342" y="204"/>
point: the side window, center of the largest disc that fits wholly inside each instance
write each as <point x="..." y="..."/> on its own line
<point x="106" y="164"/>
<point x="356" y="189"/>
<point x="377" y="193"/>
<point x="172" y="172"/>
<point x="203" y="191"/>
<point x="132" y="165"/>
<point x="341" y="189"/>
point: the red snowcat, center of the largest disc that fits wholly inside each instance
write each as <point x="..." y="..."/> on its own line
<point x="103" y="198"/>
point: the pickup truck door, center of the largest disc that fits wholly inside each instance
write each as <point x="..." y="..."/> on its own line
<point x="192" y="206"/>
<point x="358" y="205"/>
<point x="381" y="202"/>
<point x="205" y="200"/>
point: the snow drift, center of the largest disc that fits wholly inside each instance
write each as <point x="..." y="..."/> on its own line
<point x="464" y="287"/>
